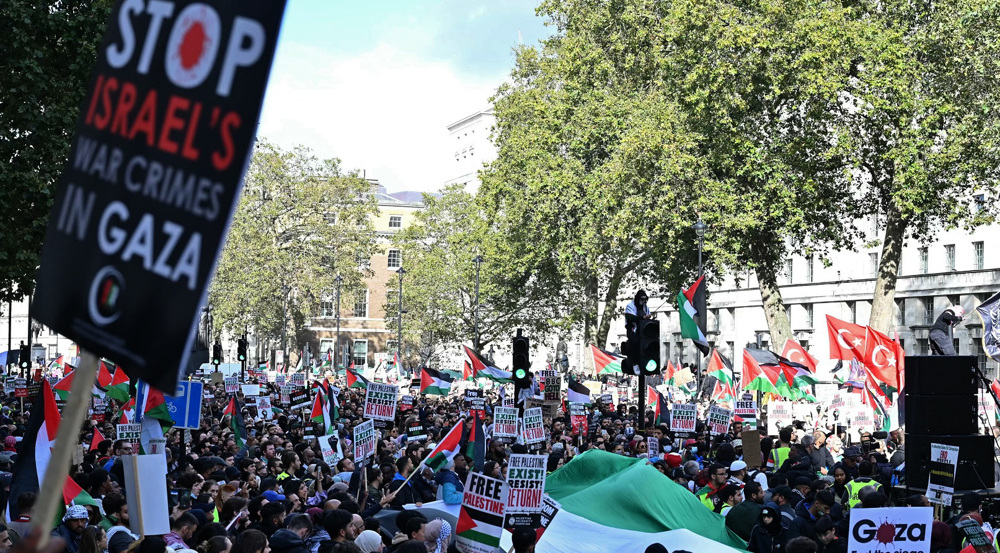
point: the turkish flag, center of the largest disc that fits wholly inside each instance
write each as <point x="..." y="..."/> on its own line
<point x="847" y="340"/>
<point x="882" y="358"/>
<point x="794" y="352"/>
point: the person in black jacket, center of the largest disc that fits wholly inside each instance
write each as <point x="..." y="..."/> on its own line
<point x="940" y="333"/>
<point x="293" y="538"/>
<point x="808" y="512"/>
<point x="772" y="533"/>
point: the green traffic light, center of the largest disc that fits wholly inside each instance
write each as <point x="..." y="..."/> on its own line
<point x="651" y="366"/>
<point x="520" y="373"/>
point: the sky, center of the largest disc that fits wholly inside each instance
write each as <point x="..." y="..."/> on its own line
<point x="375" y="83"/>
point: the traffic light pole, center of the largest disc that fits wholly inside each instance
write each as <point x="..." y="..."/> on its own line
<point x="641" y="425"/>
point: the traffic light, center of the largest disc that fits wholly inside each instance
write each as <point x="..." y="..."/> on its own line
<point x="216" y="354"/>
<point x="241" y="350"/>
<point x="24" y="358"/>
<point x="522" y="361"/>
<point x="630" y="350"/>
<point x="649" y="346"/>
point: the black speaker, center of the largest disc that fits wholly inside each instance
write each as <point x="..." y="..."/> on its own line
<point x="975" y="459"/>
<point x="935" y="375"/>
<point x="941" y="414"/>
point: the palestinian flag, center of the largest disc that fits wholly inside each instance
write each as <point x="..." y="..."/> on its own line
<point x="669" y="373"/>
<point x="577" y="392"/>
<point x="127" y="413"/>
<point x="687" y="300"/>
<point x="651" y="395"/>
<point x="320" y="415"/>
<point x="447" y="449"/>
<point x="152" y="412"/>
<point x="96" y="440"/>
<point x="661" y="415"/>
<point x="722" y="370"/>
<point x="475" y="444"/>
<point x="328" y="362"/>
<point x="73" y="494"/>
<point x="236" y="422"/>
<point x="754" y="377"/>
<point x="118" y="389"/>
<point x="58" y="362"/>
<point x="62" y="388"/>
<point x="466" y="371"/>
<point x="483" y="528"/>
<point x="606" y="362"/>
<point x="36" y="448"/>
<point x="434" y="383"/>
<point x="479" y="365"/>
<point x="355" y="380"/>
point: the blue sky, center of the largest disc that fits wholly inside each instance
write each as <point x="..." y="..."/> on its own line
<point x="374" y="83"/>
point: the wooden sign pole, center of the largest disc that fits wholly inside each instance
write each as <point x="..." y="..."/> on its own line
<point x="67" y="439"/>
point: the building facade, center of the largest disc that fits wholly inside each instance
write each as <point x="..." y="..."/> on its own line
<point x="957" y="268"/>
<point x="365" y="338"/>
<point x="470" y="139"/>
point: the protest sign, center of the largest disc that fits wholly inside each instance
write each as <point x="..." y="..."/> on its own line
<point x="746" y="409"/>
<point x="152" y="178"/>
<point x="526" y="483"/>
<point x="941" y="480"/>
<point x="552" y="387"/>
<point x="805" y="412"/>
<point x="380" y="401"/>
<point x="20" y="387"/>
<point x="364" y="440"/>
<point x="534" y="429"/>
<point x="751" y="448"/>
<point x="330" y="455"/>
<point x="406" y="403"/>
<point x="478" y="408"/>
<point x="9" y="385"/>
<point x="779" y="415"/>
<point x="471" y="394"/>
<point x="825" y="393"/>
<point x="250" y="390"/>
<point x="607" y="399"/>
<point x="505" y="422"/>
<point x="652" y="447"/>
<point x="232" y="384"/>
<point x="286" y="394"/>
<point x="890" y="529"/>
<point x="481" y="515"/>
<point x="279" y="380"/>
<point x="862" y="418"/>
<point x="130" y="433"/>
<point x="264" y="410"/>
<point x="415" y="432"/>
<point x="683" y="417"/>
<point x="298" y="399"/>
<point x="719" y="418"/>
<point x="550" y="507"/>
<point x="578" y="418"/>
<point x="974" y="536"/>
<point x="298" y="380"/>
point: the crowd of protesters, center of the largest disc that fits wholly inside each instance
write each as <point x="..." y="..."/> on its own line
<point x="277" y="495"/>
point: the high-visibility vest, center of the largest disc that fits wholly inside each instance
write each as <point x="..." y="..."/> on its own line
<point x="854" y="487"/>
<point x="780" y="454"/>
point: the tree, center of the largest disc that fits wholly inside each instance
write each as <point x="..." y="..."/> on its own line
<point x="924" y="124"/>
<point x="439" y="287"/>
<point x="46" y="56"/>
<point x="591" y="190"/>
<point x="300" y="222"/>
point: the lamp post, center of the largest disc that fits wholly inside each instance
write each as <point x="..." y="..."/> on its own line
<point x="336" y="346"/>
<point x="399" y="320"/>
<point x="478" y="260"/>
<point x="699" y="229"/>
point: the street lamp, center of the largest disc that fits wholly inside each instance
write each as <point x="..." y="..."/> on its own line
<point x="699" y="229"/>
<point x="336" y="346"/>
<point x="399" y="314"/>
<point x="475" y="325"/>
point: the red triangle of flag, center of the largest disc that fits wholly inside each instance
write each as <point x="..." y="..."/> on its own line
<point x="97" y="439"/>
<point x="465" y="522"/>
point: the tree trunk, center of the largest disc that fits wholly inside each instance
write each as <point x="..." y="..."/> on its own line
<point x="610" y="310"/>
<point x="590" y="310"/>
<point x="774" y="308"/>
<point x="883" y="304"/>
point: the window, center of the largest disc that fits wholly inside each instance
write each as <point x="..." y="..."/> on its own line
<point x="361" y="304"/>
<point x="949" y="256"/>
<point x="853" y="308"/>
<point x="928" y="311"/>
<point x="326" y="308"/>
<point x="923" y="260"/>
<point x="955" y="300"/>
<point x="978" y="258"/>
<point x="713" y="320"/>
<point x="732" y="317"/>
<point x="395" y="221"/>
<point x="900" y="312"/>
<point x="980" y="201"/>
<point x="325" y="347"/>
<point x="395" y="259"/>
<point x="788" y="271"/>
<point x="363" y="261"/>
<point x="360" y="355"/>
<point x="923" y="346"/>
<point x="809" y="314"/>
<point x="810" y="268"/>
<point x="954" y="343"/>
<point x="873" y="264"/>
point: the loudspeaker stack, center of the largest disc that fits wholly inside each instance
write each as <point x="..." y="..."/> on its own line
<point x="941" y="407"/>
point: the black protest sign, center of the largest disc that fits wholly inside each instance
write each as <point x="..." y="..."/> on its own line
<point x="153" y="177"/>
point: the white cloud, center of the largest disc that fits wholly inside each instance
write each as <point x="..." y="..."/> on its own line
<point x="384" y="111"/>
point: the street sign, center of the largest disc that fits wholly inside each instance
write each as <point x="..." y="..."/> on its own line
<point x="185" y="404"/>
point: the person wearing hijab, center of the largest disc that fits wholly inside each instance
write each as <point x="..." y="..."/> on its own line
<point x="771" y="533"/>
<point x="437" y="536"/>
<point x="941" y="538"/>
<point x="10" y="443"/>
<point x="369" y="541"/>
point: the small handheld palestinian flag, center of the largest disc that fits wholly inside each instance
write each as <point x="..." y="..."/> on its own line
<point x="236" y="422"/>
<point x="447" y="449"/>
<point x="119" y="386"/>
<point x="356" y="380"/>
<point x="96" y="440"/>
<point x="434" y="383"/>
<point x="475" y="443"/>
